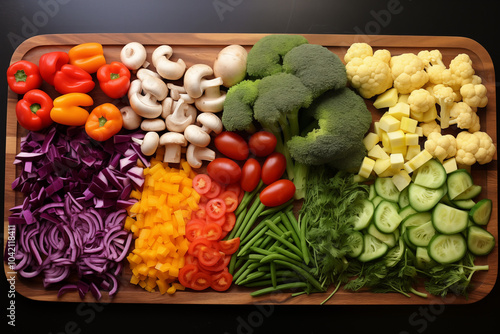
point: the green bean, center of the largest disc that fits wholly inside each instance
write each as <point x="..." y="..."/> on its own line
<point x="293" y="221"/>
<point x="288" y="224"/>
<point x="273" y="274"/>
<point x="265" y="242"/>
<point x="288" y="254"/>
<point x="303" y="273"/>
<point x="294" y="285"/>
<point x="272" y="226"/>
<point x="267" y="281"/>
<point x="287" y="243"/>
<point x="303" y="241"/>
<point x="243" y="274"/>
<point x="257" y="257"/>
<point x="237" y="224"/>
<point x="251" y="218"/>
<point x="241" y="270"/>
<point x="252" y="277"/>
<point x="248" y="197"/>
<point x="251" y="242"/>
<point x="278" y="209"/>
<point x="260" y="251"/>
<point x="264" y="268"/>
<point x="233" y="263"/>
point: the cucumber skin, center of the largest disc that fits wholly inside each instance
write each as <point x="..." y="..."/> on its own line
<point x="470" y="245"/>
<point x="437" y="238"/>
<point x="478" y="206"/>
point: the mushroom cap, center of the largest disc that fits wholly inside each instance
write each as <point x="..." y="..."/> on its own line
<point x="166" y="68"/>
<point x="150" y="143"/>
<point x="153" y="124"/>
<point x="173" y="138"/>
<point x="194" y="81"/>
<point x="196" y="136"/>
<point x="231" y="64"/>
<point x="210" y="122"/>
<point x="133" y="55"/>
<point x="131" y="120"/>
<point x="195" y="155"/>
<point x="143" y="73"/>
<point x="144" y="106"/>
<point x="135" y="87"/>
<point x="155" y="87"/>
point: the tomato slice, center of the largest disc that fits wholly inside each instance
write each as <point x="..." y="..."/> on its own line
<point x="209" y="256"/>
<point x="212" y="231"/>
<point x="221" y="281"/>
<point x="234" y="187"/>
<point x="194" y="229"/>
<point x="190" y="259"/>
<point x="186" y="274"/>
<point x="202" y="183"/>
<point x="215" y="190"/>
<point x="216" y="208"/>
<point x="229" y="247"/>
<point x="194" y="247"/>
<point x="201" y="281"/>
<point x="230" y="199"/>
<point x="201" y="213"/>
<point x="220" y="265"/>
<point x="229" y="221"/>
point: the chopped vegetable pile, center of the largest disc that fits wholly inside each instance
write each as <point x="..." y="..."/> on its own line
<point x="263" y="169"/>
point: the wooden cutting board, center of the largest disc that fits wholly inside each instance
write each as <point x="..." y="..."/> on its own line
<point x="203" y="48"/>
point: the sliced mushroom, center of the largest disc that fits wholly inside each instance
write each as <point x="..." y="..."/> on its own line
<point x="212" y="100"/>
<point x="178" y="120"/>
<point x="131" y="120"/>
<point x="195" y="155"/>
<point x="164" y="66"/>
<point x="173" y="141"/>
<point x="195" y="82"/>
<point x="133" y="55"/>
<point x="155" y="124"/>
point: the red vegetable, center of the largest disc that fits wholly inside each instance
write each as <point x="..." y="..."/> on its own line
<point x="273" y="168"/>
<point x="50" y="63"/>
<point x="232" y="145"/>
<point x="202" y="183"/>
<point x="262" y="143"/>
<point x="230" y="200"/>
<point x="277" y="193"/>
<point x="33" y="111"/>
<point x="216" y="208"/>
<point x="114" y="79"/>
<point x="72" y="79"/>
<point x="23" y="76"/>
<point x="224" y="170"/>
<point x="250" y="175"/>
<point x="221" y="281"/>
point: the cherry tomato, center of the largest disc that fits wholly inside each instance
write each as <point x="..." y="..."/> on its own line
<point x="209" y="256"/>
<point x="250" y="175"/>
<point x="212" y="231"/>
<point x="216" y="208"/>
<point x="186" y="274"/>
<point x="201" y="281"/>
<point x="202" y="183"/>
<point x="224" y="170"/>
<point x="262" y="143"/>
<point x="229" y="247"/>
<point x="221" y="281"/>
<point x="232" y="145"/>
<point x="273" y="168"/>
<point x="194" y="229"/>
<point x="230" y="199"/>
<point x="214" y="191"/>
<point x="229" y="222"/>
<point x="277" y="193"/>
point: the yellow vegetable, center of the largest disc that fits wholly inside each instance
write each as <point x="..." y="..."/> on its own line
<point x="387" y="99"/>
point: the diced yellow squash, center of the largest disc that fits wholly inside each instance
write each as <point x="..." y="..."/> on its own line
<point x="450" y="165"/>
<point x="399" y="149"/>
<point x="403" y="98"/>
<point x="412" y="151"/>
<point x="417" y="161"/>
<point x="419" y="131"/>
<point x="377" y="130"/>
<point x="401" y="179"/>
<point x="386" y="143"/>
<point x="397" y="161"/>
<point x="381" y="165"/>
<point x="389" y="123"/>
<point x="430" y="115"/>
<point x="387" y="99"/>
<point x="366" y="167"/>
<point x="408" y="125"/>
<point x="396" y="138"/>
<point x="377" y="152"/>
<point x="411" y="139"/>
<point x="400" y="110"/>
<point x="389" y="172"/>
<point x="370" y="140"/>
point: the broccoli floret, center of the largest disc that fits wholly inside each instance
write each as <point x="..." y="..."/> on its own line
<point x="238" y="106"/>
<point x="352" y="158"/>
<point x="318" y="68"/>
<point x="266" y="56"/>
<point x="343" y="119"/>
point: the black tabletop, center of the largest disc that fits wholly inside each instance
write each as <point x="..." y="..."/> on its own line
<point x="22" y="19"/>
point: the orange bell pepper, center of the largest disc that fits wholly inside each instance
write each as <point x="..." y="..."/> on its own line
<point x="67" y="109"/>
<point x="87" y="56"/>
<point x="104" y="122"/>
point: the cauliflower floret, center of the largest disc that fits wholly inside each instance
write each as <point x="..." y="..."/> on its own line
<point x="431" y="58"/>
<point x="358" y="50"/>
<point x="441" y="147"/>
<point x="430" y="127"/>
<point x="445" y="98"/>
<point x="486" y="149"/>
<point x="461" y="69"/>
<point x="408" y="72"/>
<point x="474" y="95"/>
<point x="370" y="76"/>
<point x="384" y="55"/>
<point x="421" y="100"/>
<point x="465" y="117"/>
<point x="467" y="146"/>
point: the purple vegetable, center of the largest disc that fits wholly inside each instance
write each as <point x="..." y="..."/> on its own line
<point x="70" y="224"/>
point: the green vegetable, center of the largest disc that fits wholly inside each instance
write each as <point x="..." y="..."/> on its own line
<point x="238" y="106"/>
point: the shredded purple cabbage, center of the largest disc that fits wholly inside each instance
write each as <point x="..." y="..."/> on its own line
<point x="69" y="228"/>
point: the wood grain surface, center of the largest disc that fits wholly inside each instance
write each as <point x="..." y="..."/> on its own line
<point x="203" y="48"/>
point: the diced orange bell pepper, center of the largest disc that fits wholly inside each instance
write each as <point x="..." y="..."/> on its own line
<point x="67" y="110"/>
<point x="104" y="122"/>
<point x="87" y="56"/>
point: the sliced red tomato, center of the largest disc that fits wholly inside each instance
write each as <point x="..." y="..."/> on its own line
<point x="230" y="199"/>
<point x="201" y="281"/>
<point x="229" y="221"/>
<point x="250" y="175"/>
<point x="224" y="233"/>
<point x="277" y="193"/>
<point x="202" y="183"/>
<point x="220" y="265"/>
<point x="273" y="168"/>
<point x="190" y="259"/>
<point x="196" y="245"/>
<point x="221" y="281"/>
<point x="219" y="221"/>
<point x="229" y="247"/>
<point x="212" y="231"/>
<point x="215" y="190"/>
<point x="232" y="145"/>
<point x="224" y="170"/>
<point x="194" y="229"/>
<point x="209" y="256"/>
<point x="186" y="274"/>
<point x="262" y="143"/>
<point x="216" y="208"/>
<point x="201" y="213"/>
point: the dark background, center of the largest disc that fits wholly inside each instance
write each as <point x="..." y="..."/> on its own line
<point x="21" y="19"/>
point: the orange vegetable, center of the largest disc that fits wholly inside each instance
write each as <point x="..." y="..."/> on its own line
<point x="87" y="56"/>
<point x="104" y="122"/>
<point x="158" y="223"/>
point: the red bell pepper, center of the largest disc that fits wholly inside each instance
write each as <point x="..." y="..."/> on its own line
<point x="114" y="79"/>
<point x="50" y="63"/>
<point x="72" y="79"/>
<point x="33" y="111"/>
<point x="23" y="76"/>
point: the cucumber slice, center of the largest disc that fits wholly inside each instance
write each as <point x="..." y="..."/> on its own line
<point x="355" y="240"/>
<point x="422" y="259"/>
<point x="406" y="211"/>
<point x="480" y="213"/>
<point x="388" y="238"/>
<point x="479" y="241"/>
<point x="403" y="198"/>
<point x="372" y="248"/>
<point x="469" y="193"/>
<point x="386" y="189"/>
<point x="395" y="254"/>
<point x="458" y="181"/>
<point x="465" y="204"/>
<point x="449" y="220"/>
<point x="447" y="248"/>
<point x="362" y="214"/>
<point x="386" y="217"/>
<point x="431" y="175"/>
<point x="423" y="198"/>
<point x="407" y="241"/>
<point x="376" y="201"/>
<point x="372" y="193"/>
<point x="421" y="235"/>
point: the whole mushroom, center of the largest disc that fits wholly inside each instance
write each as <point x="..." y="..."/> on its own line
<point x="195" y="155"/>
<point x="149" y="143"/>
<point x="178" y="120"/>
<point x="164" y="66"/>
<point x="133" y="55"/>
<point x="146" y="102"/>
<point x="131" y="120"/>
<point x="212" y="100"/>
<point x="195" y="82"/>
<point x="200" y="135"/>
<point x="172" y="141"/>
<point x="231" y="64"/>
